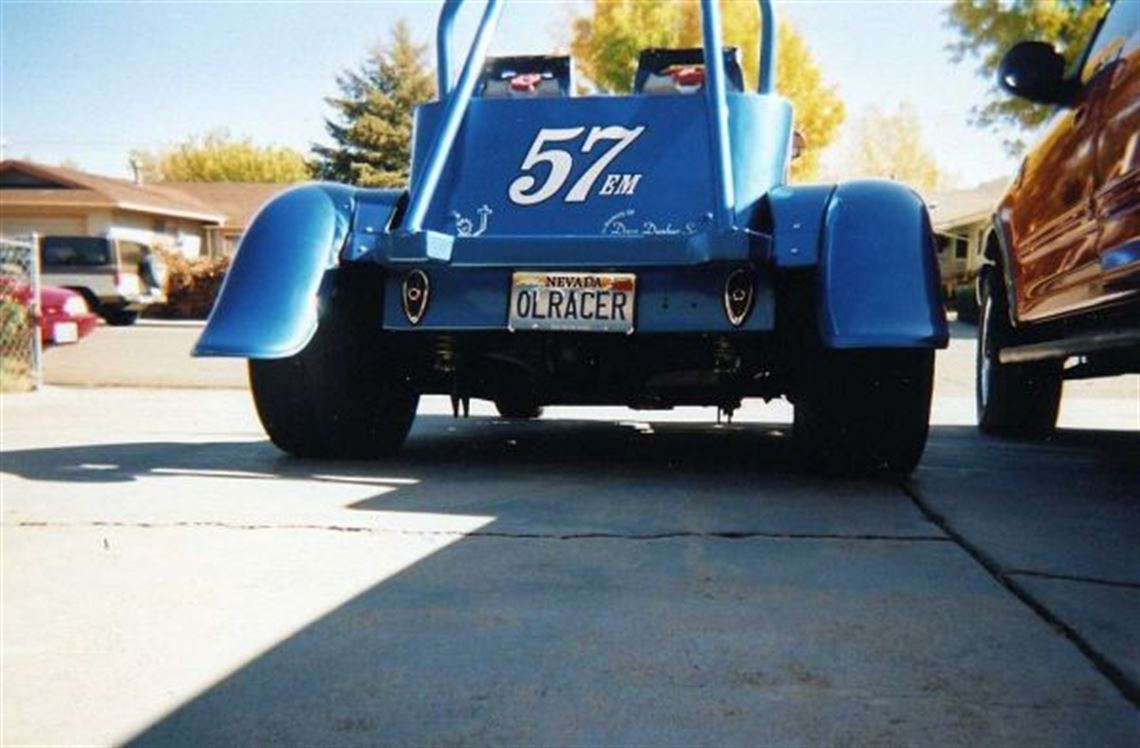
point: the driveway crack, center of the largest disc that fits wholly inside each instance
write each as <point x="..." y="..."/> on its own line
<point x="1129" y="689"/>
<point x="1073" y="578"/>
<point x="709" y="535"/>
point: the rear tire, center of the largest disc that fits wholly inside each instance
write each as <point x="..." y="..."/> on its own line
<point x="117" y="316"/>
<point x="341" y="396"/>
<point x="860" y="411"/>
<point x="966" y="304"/>
<point x="1012" y="399"/>
<point x="518" y="409"/>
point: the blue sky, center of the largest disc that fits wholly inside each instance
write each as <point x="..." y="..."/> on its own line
<point x="88" y="81"/>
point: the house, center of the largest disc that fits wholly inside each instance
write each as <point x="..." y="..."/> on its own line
<point x="961" y="222"/>
<point x="48" y="200"/>
<point x="237" y="201"/>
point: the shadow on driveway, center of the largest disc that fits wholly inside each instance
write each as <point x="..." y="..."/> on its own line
<point x="652" y="584"/>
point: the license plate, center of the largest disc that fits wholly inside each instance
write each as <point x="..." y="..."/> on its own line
<point x="65" y="332"/>
<point x="588" y="302"/>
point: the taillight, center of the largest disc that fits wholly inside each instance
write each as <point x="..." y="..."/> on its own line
<point x="739" y="292"/>
<point x="416" y="289"/>
<point x="75" y="306"/>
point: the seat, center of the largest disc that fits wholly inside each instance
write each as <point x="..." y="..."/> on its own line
<point x="682" y="71"/>
<point x="526" y="77"/>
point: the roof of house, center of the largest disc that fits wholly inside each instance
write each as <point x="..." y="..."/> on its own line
<point x="238" y="201"/>
<point x="953" y="208"/>
<point x="27" y="184"/>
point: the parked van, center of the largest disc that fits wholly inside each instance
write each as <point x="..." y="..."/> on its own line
<point x="117" y="277"/>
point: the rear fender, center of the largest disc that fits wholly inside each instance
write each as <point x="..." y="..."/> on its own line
<point x="878" y="270"/>
<point x="269" y="302"/>
<point x="874" y="249"/>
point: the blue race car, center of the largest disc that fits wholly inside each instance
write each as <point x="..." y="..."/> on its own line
<point x="641" y="250"/>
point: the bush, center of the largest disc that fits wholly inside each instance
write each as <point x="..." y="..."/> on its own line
<point x="17" y="342"/>
<point x="14" y="320"/>
<point x="191" y="286"/>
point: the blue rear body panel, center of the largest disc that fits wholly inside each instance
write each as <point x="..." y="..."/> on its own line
<point x="671" y="158"/>
<point x="681" y="190"/>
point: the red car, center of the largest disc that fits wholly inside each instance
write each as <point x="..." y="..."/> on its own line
<point x="1060" y="296"/>
<point x="64" y="314"/>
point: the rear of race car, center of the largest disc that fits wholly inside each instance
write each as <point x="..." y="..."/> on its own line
<point x="641" y="250"/>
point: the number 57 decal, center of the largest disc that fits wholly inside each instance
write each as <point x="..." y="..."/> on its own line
<point x="523" y="190"/>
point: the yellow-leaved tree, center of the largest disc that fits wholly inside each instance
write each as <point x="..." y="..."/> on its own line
<point x="218" y="157"/>
<point x="889" y="145"/>
<point x="606" y="42"/>
<point x="988" y="28"/>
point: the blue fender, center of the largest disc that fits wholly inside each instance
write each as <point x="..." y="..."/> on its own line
<point x="268" y="304"/>
<point x="878" y="271"/>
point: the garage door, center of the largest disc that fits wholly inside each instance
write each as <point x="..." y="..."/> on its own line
<point x="22" y="226"/>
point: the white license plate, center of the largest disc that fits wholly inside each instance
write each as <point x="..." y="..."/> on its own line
<point x="588" y="302"/>
<point x="65" y="332"/>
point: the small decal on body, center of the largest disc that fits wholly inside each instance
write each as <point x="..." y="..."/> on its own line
<point x="616" y="225"/>
<point x="464" y="226"/>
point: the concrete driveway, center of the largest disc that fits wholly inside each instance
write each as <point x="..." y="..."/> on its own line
<point x="596" y="577"/>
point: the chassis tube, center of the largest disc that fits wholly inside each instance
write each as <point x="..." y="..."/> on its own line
<point x="724" y="197"/>
<point x="454" y="110"/>
<point x="766" y="80"/>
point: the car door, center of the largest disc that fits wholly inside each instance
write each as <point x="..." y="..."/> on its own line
<point x="1054" y="227"/>
<point x="1116" y="57"/>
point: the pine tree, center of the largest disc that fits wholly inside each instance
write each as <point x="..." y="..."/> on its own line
<point x="372" y="129"/>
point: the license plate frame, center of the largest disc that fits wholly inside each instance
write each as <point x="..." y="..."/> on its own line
<point x="573" y="301"/>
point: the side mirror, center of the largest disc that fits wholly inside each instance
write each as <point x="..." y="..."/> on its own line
<point x="1035" y="71"/>
<point x="799" y="143"/>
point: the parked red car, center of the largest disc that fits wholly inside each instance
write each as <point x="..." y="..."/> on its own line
<point x="1060" y="295"/>
<point x="64" y="314"/>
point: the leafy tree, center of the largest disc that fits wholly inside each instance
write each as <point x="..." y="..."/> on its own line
<point x="988" y="28"/>
<point x="217" y="157"/>
<point x="372" y="129"/>
<point x="889" y="145"/>
<point x="605" y="45"/>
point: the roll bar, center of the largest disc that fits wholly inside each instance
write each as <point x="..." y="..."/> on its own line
<point x="458" y="97"/>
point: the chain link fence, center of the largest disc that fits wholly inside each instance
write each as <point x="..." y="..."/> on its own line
<point x="20" y="347"/>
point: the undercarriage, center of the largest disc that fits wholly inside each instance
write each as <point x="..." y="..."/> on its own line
<point x="639" y="371"/>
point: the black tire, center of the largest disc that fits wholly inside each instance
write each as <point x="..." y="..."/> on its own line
<point x="521" y="409"/>
<point x="864" y="411"/>
<point x="966" y="304"/>
<point x="340" y="397"/>
<point x="1012" y="399"/>
<point x="117" y="316"/>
